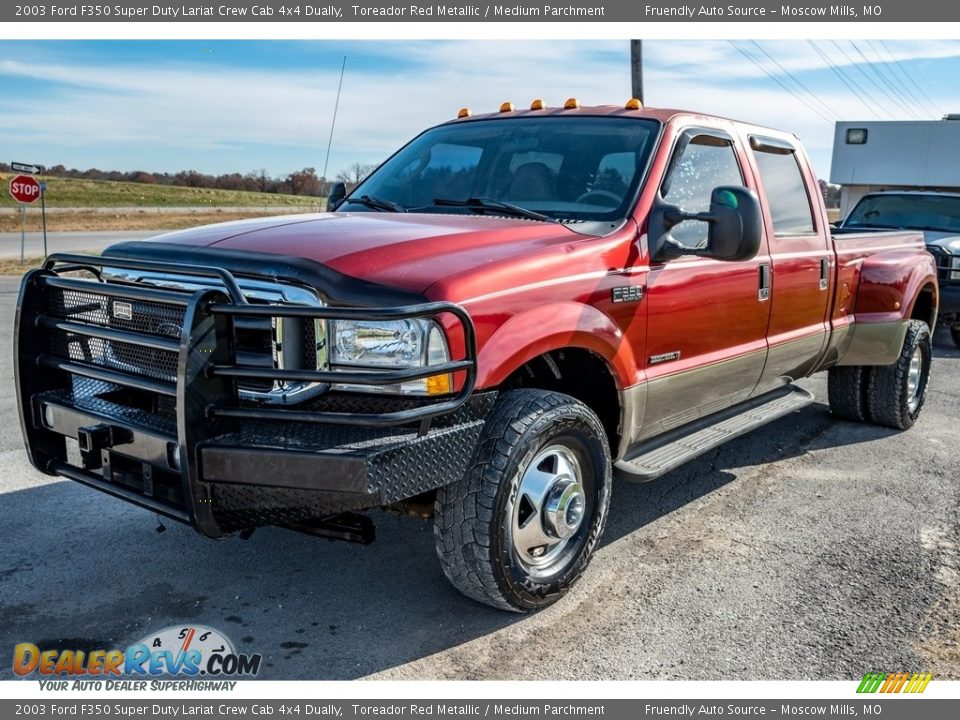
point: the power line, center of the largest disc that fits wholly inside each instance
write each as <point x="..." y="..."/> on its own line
<point x="779" y="81"/>
<point x="793" y="77"/>
<point x="909" y="76"/>
<point x="852" y="86"/>
<point x="895" y="96"/>
<point x="908" y="93"/>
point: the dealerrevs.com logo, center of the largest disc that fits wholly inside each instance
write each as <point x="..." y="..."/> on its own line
<point x="190" y="651"/>
<point x="909" y="683"/>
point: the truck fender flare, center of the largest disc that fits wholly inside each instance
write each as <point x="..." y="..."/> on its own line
<point x="891" y="284"/>
<point x="554" y="326"/>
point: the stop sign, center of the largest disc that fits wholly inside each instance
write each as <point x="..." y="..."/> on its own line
<point x="24" y="189"/>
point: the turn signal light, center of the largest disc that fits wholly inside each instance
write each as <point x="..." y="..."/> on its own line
<point x="571" y="104"/>
<point x="464" y="112"/>
<point x="537" y="104"/>
<point x="506" y="107"/>
<point x="633" y="104"/>
<point x="439" y="384"/>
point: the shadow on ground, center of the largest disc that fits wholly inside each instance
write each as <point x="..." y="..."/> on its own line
<point x="82" y="570"/>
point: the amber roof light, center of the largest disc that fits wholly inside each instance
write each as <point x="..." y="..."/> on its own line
<point x="537" y="104"/>
<point x="571" y="104"/>
<point x="506" y="107"/>
<point x="464" y="112"/>
<point x="633" y="104"/>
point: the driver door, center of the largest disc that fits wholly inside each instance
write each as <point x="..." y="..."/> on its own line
<point x="707" y="322"/>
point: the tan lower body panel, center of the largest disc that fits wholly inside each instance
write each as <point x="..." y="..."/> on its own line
<point x="875" y="343"/>
<point x="674" y="400"/>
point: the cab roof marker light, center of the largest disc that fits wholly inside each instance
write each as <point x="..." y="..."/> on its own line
<point x="464" y="112"/>
<point x="571" y="104"/>
<point x="506" y="107"/>
<point x="633" y="104"/>
<point x="538" y="104"/>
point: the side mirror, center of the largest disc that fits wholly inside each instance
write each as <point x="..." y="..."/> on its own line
<point x="338" y="193"/>
<point x="734" y="233"/>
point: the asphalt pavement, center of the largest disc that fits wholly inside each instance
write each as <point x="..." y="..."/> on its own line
<point x="810" y="549"/>
<point x="67" y="241"/>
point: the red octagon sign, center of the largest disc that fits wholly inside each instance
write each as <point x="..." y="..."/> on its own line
<point x="24" y="189"/>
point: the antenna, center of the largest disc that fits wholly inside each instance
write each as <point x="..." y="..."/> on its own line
<point x="333" y="123"/>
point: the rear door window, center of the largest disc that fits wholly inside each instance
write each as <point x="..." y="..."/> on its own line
<point x="785" y="190"/>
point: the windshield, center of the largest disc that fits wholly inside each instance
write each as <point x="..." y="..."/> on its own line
<point x="911" y="212"/>
<point x="565" y="168"/>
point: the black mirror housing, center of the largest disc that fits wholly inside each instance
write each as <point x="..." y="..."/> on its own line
<point x="736" y="223"/>
<point x="735" y="226"/>
<point x="338" y="193"/>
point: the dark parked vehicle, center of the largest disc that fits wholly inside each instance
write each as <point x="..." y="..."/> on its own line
<point x="937" y="216"/>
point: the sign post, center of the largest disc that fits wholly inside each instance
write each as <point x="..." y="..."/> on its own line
<point x="23" y="230"/>
<point x="25" y="189"/>
<point x="43" y="215"/>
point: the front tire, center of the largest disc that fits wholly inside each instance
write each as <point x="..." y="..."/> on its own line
<point x="895" y="393"/>
<point x="520" y="527"/>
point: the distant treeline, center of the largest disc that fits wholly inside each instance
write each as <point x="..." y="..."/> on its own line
<point x="301" y="182"/>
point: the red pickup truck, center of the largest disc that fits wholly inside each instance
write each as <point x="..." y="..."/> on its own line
<point x="510" y="311"/>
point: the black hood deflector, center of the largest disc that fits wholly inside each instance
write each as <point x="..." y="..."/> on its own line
<point x="337" y="288"/>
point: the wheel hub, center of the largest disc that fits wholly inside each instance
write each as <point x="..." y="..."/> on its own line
<point x="549" y="507"/>
<point x="914" y="379"/>
<point x="563" y="512"/>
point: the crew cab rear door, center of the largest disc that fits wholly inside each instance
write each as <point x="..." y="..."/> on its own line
<point x="801" y="258"/>
<point x="707" y="318"/>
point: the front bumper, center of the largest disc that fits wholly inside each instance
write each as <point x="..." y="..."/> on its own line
<point x="949" y="300"/>
<point x="190" y="449"/>
<point x="949" y="287"/>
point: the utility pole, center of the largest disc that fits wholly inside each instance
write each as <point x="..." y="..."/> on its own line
<point x="333" y="123"/>
<point x="636" y="68"/>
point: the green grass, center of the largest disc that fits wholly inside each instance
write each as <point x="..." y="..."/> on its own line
<point x="77" y="193"/>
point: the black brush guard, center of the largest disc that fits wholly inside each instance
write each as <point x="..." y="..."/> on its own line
<point x="187" y="447"/>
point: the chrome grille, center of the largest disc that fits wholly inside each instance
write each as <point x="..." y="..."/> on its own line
<point x="283" y="343"/>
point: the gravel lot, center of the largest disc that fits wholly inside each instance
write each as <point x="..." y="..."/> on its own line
<point x="811" y="549"/>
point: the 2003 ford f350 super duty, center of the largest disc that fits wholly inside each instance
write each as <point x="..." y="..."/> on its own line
<point x="510" y="311"/>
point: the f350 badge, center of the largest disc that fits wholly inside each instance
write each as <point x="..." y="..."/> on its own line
<point x="627" y="293"/>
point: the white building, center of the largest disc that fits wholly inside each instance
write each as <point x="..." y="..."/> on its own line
<point x="895" y="155"/>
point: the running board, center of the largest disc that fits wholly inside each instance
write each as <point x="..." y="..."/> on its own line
<point x="653" y="458"/>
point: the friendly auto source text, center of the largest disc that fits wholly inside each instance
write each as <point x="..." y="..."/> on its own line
<point x="696" y="11"/>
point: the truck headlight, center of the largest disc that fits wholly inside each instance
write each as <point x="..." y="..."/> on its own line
<point x="393" y="344"/>
<point x="955" y="267"/>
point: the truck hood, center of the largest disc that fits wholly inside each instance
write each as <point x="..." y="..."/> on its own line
<point x="950" y="242"/>
<point x="406" y="251"/>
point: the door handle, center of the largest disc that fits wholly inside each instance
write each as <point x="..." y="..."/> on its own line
<point x="824" y="273"/>
<point x="763" y="292"/>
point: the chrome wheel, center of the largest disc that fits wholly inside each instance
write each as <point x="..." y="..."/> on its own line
<point x="915" y="379"/>
<point x="548" y="508"/>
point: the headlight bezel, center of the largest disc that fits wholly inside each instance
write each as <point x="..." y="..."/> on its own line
<point x="430" y="346"/>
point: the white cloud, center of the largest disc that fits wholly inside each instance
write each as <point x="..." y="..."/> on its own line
<point x="222" y="110"/>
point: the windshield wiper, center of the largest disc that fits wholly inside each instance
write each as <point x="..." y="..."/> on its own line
<point x="377" y="203"/>
<point x="480" y="204"/>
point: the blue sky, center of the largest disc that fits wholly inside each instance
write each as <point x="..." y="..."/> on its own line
<point x="236" y="106"/>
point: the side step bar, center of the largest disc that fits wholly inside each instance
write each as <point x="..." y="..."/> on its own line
<point x="651" y="459"/>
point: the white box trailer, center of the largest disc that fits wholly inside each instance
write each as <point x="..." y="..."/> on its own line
<point x="871" y="156"/>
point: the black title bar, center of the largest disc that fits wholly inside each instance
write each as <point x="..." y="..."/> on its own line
<point x="579" y="11"/>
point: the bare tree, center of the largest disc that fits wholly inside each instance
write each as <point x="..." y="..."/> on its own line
<point x="354" y="174"/>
